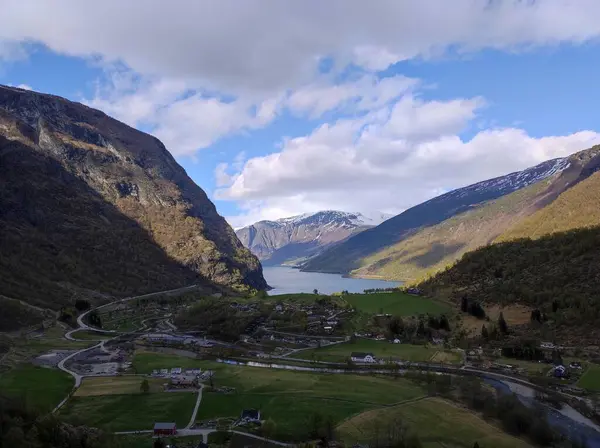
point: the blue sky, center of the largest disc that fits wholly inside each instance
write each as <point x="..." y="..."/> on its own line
<point x="375" y="111"/>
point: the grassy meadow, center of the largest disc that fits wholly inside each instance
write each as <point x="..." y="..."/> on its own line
<point x="591" y="378"/>
<point x="289" y="398"/>
<point x="438" y="424"/>
<point x="41" y="388"/>
<point x="130" y="411"/>
<point x="395" y="303"/>
<point x="117" y="385"/>
<point x="381" y="349"/>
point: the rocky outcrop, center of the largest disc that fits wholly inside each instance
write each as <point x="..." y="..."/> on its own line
<point x="76" y="182"/>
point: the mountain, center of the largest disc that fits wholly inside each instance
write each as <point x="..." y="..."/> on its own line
<point x="91" y="206"/>
<point x="556" y="274"/>
<point x="427" y="237"/>
<point x="294" y="240"/>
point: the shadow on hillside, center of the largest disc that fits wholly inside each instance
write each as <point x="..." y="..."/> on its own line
<point x="59" y="236"/>
<point x="292" y="251"/>
<point x="436" y="254"/>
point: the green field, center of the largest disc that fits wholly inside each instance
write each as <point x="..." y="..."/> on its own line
<point x="147" y="441"/>
<point x="90" y="335"/>
<point x="591" y="378"/>
<point x="130" y="412"/>
<point x="437" y="423"/>
<point x="40" y="387"/>
<point x="395" y="303"/>
<point x="117" y="385"/>
<point x="381" y="349"/>
<point x="146" y="362"/>
<point x="289" y="398"/>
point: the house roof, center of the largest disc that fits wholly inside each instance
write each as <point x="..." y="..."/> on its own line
<point x="164" y="426"/>
<point x="251" y="413"/>
<point x="361" y="355"/>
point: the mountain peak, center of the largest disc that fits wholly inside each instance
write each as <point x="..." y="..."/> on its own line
<point x="299" y="237"/>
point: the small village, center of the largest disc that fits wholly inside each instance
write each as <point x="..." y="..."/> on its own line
<point x="147" y="348"/>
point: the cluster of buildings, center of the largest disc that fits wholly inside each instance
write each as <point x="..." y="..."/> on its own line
<point x="179" y="378"/>
<point x="173" y="339"/>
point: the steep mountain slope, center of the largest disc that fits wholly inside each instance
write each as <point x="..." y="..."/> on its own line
<point x="578" y="206"/>
<point x="296" y="239"/>
<point x="350" y="255"/>
<point x="559" y="274"/>
<point x="88" y="203"/>
<point x="563" y="201"/>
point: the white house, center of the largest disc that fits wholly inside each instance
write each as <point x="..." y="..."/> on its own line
<point x="560" y="371"/>
<point x="362" y="357"/>
<point x="250" y="416"/>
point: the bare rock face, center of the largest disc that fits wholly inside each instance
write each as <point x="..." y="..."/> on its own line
<point x="71" y="152"/>
<point x="294" y="240"/>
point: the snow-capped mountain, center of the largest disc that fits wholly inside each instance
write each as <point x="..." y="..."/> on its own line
<point x="297" y="238"/>
<point x="349" y="255"/>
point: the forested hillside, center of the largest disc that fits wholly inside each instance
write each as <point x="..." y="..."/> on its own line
<point x="558" y="274"/>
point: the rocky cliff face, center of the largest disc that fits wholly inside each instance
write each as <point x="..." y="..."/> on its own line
<point x="296" y="239"/>
<point x="66" y="166"/>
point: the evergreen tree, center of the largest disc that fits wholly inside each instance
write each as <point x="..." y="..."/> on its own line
<point x="484" y="332"/>
<point x="502" y="325"/>
<point x="464" y="306"/>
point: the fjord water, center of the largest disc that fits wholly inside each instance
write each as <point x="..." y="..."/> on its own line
<point x="286" y="280"/>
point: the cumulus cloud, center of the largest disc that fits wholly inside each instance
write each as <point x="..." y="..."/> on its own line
<point x="366" y="93"/>
<point x="388" y="161"/>
<point x="194" y="72"/>
<point x="268" y="45"/>
<point x="183" y="116"/>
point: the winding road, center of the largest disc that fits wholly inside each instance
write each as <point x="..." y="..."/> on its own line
<point x="188" y="431"/>
<point x="81" y="325"/>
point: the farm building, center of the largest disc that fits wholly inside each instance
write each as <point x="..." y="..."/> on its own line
<point x="165" y="429"/>
<point x="362" y="357"/>
<point x="250" y="416"/>
<point x="184" y="381"/>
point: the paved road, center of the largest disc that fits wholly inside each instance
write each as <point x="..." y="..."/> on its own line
<point x="84" y="326"/>
<point x="193" y="418"/>
<point x="78" y="377"/>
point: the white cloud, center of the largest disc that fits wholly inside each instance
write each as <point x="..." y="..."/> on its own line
<point x="194" y="72"/>
<point x="387" y="161"/>
<point x="263" y="45"/>
<point x="366" y="93"/>
<point x="183" y="117"/>
<point x="21" y="86"/>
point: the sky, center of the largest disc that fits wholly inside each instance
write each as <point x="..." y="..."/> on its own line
<point x="280" y="108"/>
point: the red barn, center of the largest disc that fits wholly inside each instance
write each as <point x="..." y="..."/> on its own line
<point x="165" y="429"/>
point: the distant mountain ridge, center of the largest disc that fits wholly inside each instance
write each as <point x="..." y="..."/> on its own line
<point x="424" y="238"/>
<point x="295" y="239"/>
